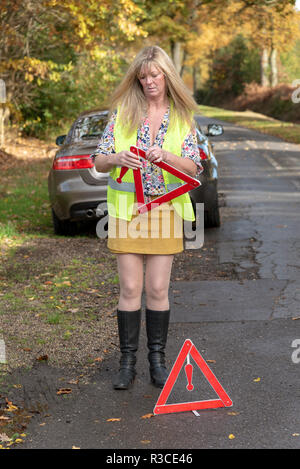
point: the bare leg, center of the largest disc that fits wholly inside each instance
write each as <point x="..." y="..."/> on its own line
<point x="131" y="276"/>
<point x="157" y="281"/>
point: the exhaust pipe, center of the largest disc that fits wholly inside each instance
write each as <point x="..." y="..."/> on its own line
<point x="90" y="213"/>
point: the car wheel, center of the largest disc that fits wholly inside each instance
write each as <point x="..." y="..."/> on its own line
<point x="212" y="217"/>
<point x="63" y="227"/>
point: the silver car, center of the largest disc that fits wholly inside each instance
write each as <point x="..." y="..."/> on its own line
<point x="76" y="189"/>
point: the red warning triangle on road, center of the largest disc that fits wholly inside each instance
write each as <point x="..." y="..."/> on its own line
<point x="188" y="349"/>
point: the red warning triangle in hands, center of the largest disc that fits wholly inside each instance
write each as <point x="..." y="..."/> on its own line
<point x="188" y="349"/>
<point x="190" y="183"/>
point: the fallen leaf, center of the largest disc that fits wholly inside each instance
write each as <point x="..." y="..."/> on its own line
<point x="231" y="436"/>
<point x="75" y="447"/>
<point x="296" y="434"/>
<point x="233" y="413"/>
<point x="211" y="361"/>
<point x="26" y="349"/>
<point x="145" y="442"/>
<point x="98" y="359"/>
<point x="64" y="391"/>
<point x="256" y="380"/>
<point x="42" y="358"/>
<point x="2" y="417"/>
<point x="147" y="416"/>
<point x="11" y="408"/>
<point x="73" y="381"/>
<point x="113" y="420"/>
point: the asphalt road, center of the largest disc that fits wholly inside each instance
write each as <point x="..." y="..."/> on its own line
<point x="246" y="328"/>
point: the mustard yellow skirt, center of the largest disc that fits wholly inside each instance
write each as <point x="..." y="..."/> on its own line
<point x="158" y="231"/>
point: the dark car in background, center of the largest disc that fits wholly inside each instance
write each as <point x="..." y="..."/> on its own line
<point x="76" y="188"/>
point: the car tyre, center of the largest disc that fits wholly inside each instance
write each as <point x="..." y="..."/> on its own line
<point x="212" y="217"/>
<point x="63" y="227"/>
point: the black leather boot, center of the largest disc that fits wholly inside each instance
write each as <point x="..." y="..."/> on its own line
<point x="129" y="330"/>
<point x="157" y="324"/>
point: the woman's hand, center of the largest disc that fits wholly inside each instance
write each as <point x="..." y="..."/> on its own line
<point x="128" y="159"/>
<point x="156" y="154"/>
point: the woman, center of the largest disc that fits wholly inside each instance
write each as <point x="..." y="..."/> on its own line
<point x="153" y="110"/>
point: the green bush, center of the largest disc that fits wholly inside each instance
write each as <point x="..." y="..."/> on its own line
<point x="233" y="66"/>
<point x="55" y="104"/>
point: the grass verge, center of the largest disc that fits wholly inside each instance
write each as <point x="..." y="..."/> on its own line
<point x="57" y="294"/>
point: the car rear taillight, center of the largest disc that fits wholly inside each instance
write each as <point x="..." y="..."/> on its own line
<point x="203" y="155"/>
<point x="73" y="162"/>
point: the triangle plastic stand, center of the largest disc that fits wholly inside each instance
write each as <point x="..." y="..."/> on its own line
<point x="190" y="183"/>
<point x="187" y="349"/>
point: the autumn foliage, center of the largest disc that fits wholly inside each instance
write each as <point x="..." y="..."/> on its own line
<point x="60" y="58"/>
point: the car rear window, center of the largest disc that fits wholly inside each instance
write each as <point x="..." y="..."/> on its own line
<point x="89" y="127"/>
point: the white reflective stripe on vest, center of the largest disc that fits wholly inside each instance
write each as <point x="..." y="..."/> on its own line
<point x="130" y="186"/>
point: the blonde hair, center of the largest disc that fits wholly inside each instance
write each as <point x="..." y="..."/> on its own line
<point x="130" y="98"/>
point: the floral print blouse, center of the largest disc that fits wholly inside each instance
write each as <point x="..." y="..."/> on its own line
<point x="152" y="177"/>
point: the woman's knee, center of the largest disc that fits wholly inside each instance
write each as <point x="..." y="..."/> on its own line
<point x="130" y="269"/>
<point x="156" y="292"/>
<point x="131" y="289"/>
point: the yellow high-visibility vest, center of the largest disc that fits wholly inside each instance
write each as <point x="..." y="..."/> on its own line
<point x="121" y="197"/>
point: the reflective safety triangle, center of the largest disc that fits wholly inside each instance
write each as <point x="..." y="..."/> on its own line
<point x="191" y="183"/>
<point x="188" y="349"/>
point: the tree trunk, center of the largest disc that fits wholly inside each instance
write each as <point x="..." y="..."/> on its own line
<point x="1" y="126"/>
<point x="274" y="68"/>
<point x="194" y="80"/>
<point x="177" y="55"/>
<point x="264" y="68"/>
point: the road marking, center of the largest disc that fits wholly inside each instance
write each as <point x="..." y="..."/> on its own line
<point x="272" y="162"/>
<point x="296" y="184"/>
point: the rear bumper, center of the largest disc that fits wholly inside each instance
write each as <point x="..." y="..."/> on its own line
<point x="71" y="198"/>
